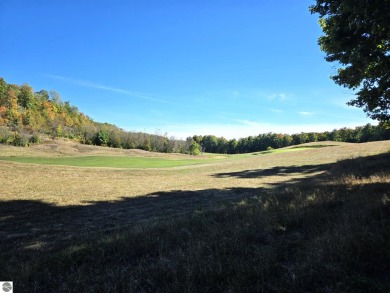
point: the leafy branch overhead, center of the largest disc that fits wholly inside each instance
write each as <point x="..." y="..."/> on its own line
<point x="357" y="35"/>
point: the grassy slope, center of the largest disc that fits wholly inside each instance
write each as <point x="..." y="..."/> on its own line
<point x="298" y="221"/>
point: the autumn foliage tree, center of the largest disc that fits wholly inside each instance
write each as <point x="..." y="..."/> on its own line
<point x="13" y="114"/>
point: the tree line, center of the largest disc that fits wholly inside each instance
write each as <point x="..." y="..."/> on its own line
<point x="262" y="142"/>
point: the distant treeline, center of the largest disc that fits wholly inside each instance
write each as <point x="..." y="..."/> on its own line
<point x="213" y="144"/>
<point x="25" y="116"/>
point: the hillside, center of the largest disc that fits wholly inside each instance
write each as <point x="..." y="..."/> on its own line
<point x="66" y="147"/>
<point x="27" y="117"/>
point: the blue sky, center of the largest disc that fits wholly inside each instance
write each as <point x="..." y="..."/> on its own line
<point x="227" y="68"/>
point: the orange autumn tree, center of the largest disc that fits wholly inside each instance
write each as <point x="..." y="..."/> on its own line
<point x="13" y="114"/>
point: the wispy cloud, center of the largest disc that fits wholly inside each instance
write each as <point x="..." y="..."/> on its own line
<point x="277" y="96"/>
<point x="303" y="113"/>
<point x="93" y="85"/>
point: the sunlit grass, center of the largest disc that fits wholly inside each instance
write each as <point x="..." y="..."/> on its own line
<point x="110" y="161"/>
<point x="134" y="162"/>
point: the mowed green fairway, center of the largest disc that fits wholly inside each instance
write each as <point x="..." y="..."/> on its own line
<point x="110" y="161"/>
<point x="136" y="162"/>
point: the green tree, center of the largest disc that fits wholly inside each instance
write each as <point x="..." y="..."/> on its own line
<point x="335" y="135"/>
<point x="357" y="35"/>
<point x="210" y="144"/>
<point x="26" y="97"/>
<point x="300" y="138"/>
<point x="194" y="148"/>
<point x="3" y="92"/>
<point x="114" y="139"/>
<point x="147" y="146"/>
<point x="101" y="138"/>
<point x="197" y="138"/>
<point x="223" y="145"/>
<point x="233" y="146"/>
<point x="286" y="141"/>
<point x="42" y="96"/>
<point x="312" y="137"/>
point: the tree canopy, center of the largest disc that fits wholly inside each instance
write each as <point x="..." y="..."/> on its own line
<point x="357" y="35"/>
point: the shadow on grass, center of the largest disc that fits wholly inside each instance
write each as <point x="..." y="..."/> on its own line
<point x="362" y="167"/>
<point x="27" y="224"/>
<point x="250" y="232"/>
<point x="276" y="171"/>
<point x="318" y="146"/>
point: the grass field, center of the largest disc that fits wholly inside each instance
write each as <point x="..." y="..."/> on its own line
<point x="130" y="161"/>
<point x="316" y="219"/>
<point x="110" y="162"/>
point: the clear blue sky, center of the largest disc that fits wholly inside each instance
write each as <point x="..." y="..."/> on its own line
<point x="228" y="68"/>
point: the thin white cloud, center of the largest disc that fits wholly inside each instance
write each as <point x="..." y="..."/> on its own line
<point x="246" y="122"/>
<point x="303" y="113"/>
<point x="277" y="96"/>
<point x="92" y="85"/>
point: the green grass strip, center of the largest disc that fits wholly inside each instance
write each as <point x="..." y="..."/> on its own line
<point x="136" y="162"/>
<point x="109" y="161"/>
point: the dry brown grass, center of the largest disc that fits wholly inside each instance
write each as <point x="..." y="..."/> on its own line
<point x="61" y="185"/>
<point x="286" y="197"/>
<point x="75" y="186"/>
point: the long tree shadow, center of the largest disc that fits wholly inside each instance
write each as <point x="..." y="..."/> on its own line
<point x="362" y="166"/>
<point x="275" y="171"/>
<point x="29" y="224"/>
